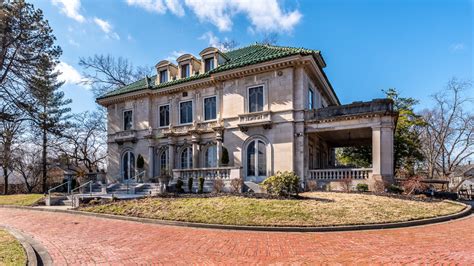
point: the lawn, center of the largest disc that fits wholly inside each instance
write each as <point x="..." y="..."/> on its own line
<point x="11" y="251"/>
<point x="322" y="209"/>
<point x="20" y="199"/>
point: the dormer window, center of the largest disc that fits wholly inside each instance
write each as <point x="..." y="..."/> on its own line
<point x="185" y="71"/>
<point x="163" y="76"/>
<point x="208" y="64"/>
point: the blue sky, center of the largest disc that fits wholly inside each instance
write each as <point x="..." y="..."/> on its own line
<point x="415" y="46"/>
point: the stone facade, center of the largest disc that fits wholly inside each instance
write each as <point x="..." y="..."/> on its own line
<point x="282" y="133"/>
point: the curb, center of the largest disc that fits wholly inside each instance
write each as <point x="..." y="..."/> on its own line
<point x="36" y="254"/>
<point x="465" y="212"/>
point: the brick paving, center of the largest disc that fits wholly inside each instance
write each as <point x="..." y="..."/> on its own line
<point x="74" y="239"/>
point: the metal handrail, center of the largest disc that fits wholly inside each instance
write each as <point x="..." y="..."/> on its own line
<point x="58" y="186"/>
<point x="133" y="178"/>
<point x="83" y="185"/>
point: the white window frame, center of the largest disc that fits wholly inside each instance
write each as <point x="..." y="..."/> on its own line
<point x="123" y="119"/>
<point x="167" y="76"/>
<point x="247" y="98"/>
<point x="204" y="108"/>
<point x="159" y="114"/>
<point x="310" y="89"/>
<point x="189" y="70"/>
<point x="192" y="112"/>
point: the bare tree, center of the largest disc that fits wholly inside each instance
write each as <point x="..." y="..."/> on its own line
<point x="269" y="39"/>
<point x="28" y="165"/>
<point x="11" y="126"/>
<point x="448" y="138"/>
<point x="105" y="73"/>
<point x="228" y="45"/>
<point x="86" y="142"/>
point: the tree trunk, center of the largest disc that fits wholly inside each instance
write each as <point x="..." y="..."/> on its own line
<point x="5" y="177"/>
<point x="44" y="173"/>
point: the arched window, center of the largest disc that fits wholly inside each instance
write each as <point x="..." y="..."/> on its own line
<point x="128" y="165"/>
<point x="256" y="160"/>
<point x="186" y="158"/>
<point x="211" y="156"/>
<point x="164" y="160"/>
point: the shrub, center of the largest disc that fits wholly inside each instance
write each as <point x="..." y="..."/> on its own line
<point x="179" y="185"/>
<point x="413" y="184"/>
<point x="236" y="185"/>
<point x="190" y="184"/>
<point x="346" y="184"/>
<point x="218" y="185"/>
<point x="312" y="185"/>
<point x="394" y="189"/>
<point x="225" y="156"/>
<point x="140" y="162"/>
<point x="282" y="184"/>
<point x="201" y="184"/>
<point x="361" y="187"/>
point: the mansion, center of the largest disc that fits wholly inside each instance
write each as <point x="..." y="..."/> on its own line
<point x="245" y="113"/>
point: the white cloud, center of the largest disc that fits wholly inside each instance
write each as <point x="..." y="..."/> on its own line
<point x="264" y="15"/>
<point x="457" y="47"/>
<point x="149" y="5"/>
<point x="106" y="27"/>
<point x="70" y="75"/>
<point x="103" y="24"/>
<point x="70" y="8"/>
<point x="174" y="55"/>
<point x="212" y="39"/>
<point x="73" y="43"/>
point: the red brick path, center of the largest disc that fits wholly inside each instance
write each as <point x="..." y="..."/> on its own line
<point x="74" y="239"/>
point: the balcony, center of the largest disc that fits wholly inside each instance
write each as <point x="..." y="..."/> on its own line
<point x="124" y="136"/>
<point x="201" y="127"/>
<point x="263" y="118"/>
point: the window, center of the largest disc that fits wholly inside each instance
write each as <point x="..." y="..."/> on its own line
<point x="128" y="165"/>
<point x="256" y="159"/>
<point x="163" y="76"/>
<point x="186" y="112"/>
<point x="164" y="160"/>
<point x="210" y="107"/>
<point x="185" y="71"/>
<point x="127" y="120"/>
<point x="211" y="156"/>
<point x="208" y="64"/>
<point x="187" y="158"/>
<point x="310" y="99"/>
<point x="256" y="99"/>
<point x="164" y="115"/>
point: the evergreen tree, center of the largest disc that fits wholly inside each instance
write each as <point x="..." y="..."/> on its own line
<point x="47" y="109"/>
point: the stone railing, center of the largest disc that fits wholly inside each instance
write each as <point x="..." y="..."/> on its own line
<point x="128" y="135"/>
<point x="339" y="174"/>
<point x="257" y="118"/>
<point x="377" y="106"/>
<point x="208" y="173"/>
<point x="185" y="129"/>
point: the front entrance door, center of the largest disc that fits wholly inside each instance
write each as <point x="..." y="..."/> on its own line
<point x="256" y="169"/>
<point x="128" y="165"/>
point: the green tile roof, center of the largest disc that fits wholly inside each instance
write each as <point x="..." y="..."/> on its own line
<point x="249" y="55"/>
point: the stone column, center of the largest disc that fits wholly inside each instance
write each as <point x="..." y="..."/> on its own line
<point x="151" y="161"/>
<point x="196" y="149"/>
<point x="219" y="147"/>
<point x="382" y="154"/>
<point x="171" y="153"/>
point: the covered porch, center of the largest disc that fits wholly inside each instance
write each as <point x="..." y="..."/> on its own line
<point x="369" y="124"/>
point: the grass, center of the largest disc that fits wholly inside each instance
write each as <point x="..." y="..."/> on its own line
<point x="11" y="251"/>
<point x="20" y="199"/>
<point x="324" y="209"/>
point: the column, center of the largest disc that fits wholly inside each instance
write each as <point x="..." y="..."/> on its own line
<point x="219" y="147"/>
<point x="196" y="148"/>
<point x="151" y="161"/>
<point x="171" y="154"/>
<point x="382" y="153"/>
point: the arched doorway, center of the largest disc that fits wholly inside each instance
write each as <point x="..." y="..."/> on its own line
<point x="256" y="161"/>
<point x="186" y="158"/>
<point x="164" y="161"/>
<point x="210" y="156"/>
<point x="128" y="165"/>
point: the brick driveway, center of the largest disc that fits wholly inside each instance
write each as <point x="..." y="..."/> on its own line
<point x="75" y="239"/>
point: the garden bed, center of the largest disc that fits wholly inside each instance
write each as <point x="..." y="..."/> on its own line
<point x="11" y="251"/>
<point x="20" y="199"/>
<point x="312" y="209"/>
